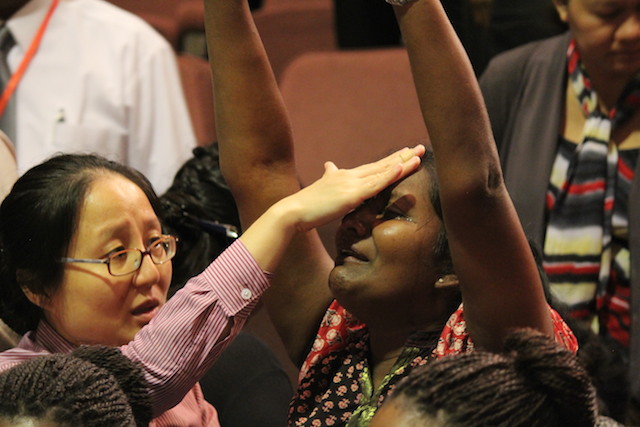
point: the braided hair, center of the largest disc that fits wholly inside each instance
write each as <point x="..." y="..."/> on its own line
<point x="198" y="199"/>
<point x="533" y="383"/>
<point x="93" y="386"/>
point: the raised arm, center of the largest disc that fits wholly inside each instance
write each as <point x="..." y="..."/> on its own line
<point x="500" y="284"/>
<point x="257" y="161"/>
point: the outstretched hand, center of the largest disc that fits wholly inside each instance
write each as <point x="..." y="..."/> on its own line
<point x="339" y="191"/>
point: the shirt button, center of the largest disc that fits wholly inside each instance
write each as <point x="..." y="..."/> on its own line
<point x="246" y="294"/>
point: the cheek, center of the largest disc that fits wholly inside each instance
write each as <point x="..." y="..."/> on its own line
<point x="409" y="254"/>
<point x="86" y="291"/>
<point x="166" y="273"/>
<point x="593" y="37"/>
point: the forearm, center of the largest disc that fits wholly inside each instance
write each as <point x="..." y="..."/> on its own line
<point x="500" y="284"/>
<point x="450" y="100"/>
<point x="256" y="147"/>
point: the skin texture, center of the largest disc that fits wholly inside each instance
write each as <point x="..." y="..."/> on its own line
<point x="93" y="306"/>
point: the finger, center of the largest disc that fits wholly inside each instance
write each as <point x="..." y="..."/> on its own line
<point x="399" y="157"/>
<point x="396" y="172"/>
<point x="330" y="166"/>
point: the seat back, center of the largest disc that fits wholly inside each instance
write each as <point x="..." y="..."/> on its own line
<point x="350" y="107"/>
<point x="198" y="91"/>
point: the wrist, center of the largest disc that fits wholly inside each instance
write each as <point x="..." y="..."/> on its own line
<point x="399" y="2"/>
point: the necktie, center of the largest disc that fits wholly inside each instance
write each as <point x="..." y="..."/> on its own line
<point x="8" y="118"/>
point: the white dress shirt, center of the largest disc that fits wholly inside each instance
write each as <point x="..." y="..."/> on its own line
<point x="103" y="81"/>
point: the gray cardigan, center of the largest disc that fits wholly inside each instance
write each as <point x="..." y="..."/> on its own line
<point x="524" y="90"/>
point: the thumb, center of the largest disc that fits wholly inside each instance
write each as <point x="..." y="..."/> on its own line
<point x="330" y="167"/>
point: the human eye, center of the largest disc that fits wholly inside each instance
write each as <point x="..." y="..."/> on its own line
<point x="158" y="242"/>
<point x="115" y="253"/>
<point x="607" y="11"/>
<point x="392" y="212"/>
<point x="119" y="258"/>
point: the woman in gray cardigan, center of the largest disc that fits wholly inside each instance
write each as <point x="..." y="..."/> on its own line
<point x="565" y="118"/>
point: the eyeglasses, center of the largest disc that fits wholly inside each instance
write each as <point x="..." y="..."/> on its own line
<point x="127" y="261"/>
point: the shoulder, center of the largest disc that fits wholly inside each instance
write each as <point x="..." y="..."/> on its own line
<point x="529" y="59"/>
<point x="107" y="20"/>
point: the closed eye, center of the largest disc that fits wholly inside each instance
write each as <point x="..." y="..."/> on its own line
<point x="388" y="214"/>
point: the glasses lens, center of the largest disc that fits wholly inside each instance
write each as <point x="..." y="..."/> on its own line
<point x="124" y="262"/>
<point x="163" y="249"/>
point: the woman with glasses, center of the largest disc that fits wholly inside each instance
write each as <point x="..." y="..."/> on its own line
<point x="84" y="260"/>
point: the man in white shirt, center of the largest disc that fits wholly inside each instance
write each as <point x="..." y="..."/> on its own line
<point x="101" y="81"/>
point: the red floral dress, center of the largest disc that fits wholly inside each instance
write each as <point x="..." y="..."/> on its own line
<point x="335" y="386"/>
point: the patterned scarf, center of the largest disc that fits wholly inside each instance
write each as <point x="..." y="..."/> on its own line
<point x="582" y="198"/>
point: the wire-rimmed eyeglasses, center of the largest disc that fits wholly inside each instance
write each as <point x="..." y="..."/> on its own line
<point x="128" y="261"/>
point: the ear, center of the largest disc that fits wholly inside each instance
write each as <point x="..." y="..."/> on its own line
<point x="23" y="277"/>
<point x="562" y="9"/>
<point x="35" y="299"/>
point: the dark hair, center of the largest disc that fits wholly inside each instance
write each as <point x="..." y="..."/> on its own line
<point x="37" y="222"/>
<point x="533" y="383"/>
<point x="93" y="386"/>
<point x="192" y="208"/>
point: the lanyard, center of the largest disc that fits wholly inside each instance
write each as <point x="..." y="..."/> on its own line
<point x="33" y="47"/>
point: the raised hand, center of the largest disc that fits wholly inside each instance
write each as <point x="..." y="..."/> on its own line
<point x="336" y="193"/>
<point x="339" y="191"/>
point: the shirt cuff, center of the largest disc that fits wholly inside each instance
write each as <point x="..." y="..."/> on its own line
<point x="236" y="278"/>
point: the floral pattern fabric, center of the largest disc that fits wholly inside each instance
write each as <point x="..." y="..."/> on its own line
<point x="335" y="385"/>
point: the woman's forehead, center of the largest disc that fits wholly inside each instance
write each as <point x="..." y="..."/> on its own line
<point x="112" y="202"/>
<point x="416" y="182"/>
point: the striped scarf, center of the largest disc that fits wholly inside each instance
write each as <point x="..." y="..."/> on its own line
<point x="583" y="258"/>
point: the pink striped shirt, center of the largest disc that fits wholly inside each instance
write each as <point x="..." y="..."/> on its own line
<point x="178" y="346"/>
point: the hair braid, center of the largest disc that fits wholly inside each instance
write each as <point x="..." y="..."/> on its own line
<point x="527" y="385"/>
<point x="94" y="386"/>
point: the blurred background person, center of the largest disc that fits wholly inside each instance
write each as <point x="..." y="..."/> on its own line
<point x="87" y="76"/>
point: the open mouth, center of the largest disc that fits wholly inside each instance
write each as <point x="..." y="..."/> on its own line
<point x="145" y="308"/>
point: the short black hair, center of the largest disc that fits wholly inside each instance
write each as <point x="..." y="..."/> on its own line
<point x="198" y="197"/>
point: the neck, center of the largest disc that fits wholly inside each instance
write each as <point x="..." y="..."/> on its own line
<point x="608" y="87"/>
<point x="385" y="347"/>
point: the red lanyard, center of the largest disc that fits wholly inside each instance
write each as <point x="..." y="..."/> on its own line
<point x="35" y="43"/>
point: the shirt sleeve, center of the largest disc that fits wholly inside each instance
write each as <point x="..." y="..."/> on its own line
<point x="189" y="333"/>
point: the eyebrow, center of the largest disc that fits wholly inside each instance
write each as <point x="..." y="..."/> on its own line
<point x="121" y="225"/>
<point x="403" y="201"/>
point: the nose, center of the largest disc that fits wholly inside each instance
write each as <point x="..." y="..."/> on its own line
<point x="629" y="30"/>
<point x="359" y="222"/>
<point x="148" y="274"/>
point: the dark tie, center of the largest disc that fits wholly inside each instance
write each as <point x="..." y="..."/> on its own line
<point x="8" y="118"/>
